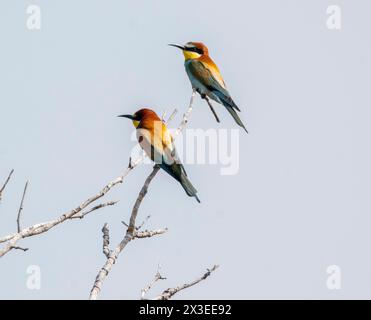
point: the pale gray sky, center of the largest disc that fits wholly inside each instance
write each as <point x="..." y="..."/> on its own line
<point x="300" y="201"/>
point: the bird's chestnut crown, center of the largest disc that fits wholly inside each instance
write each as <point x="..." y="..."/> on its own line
<point x="192" y="50"/>
<point x="139" y="115"/>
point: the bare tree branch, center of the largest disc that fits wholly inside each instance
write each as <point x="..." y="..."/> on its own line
<point x="149" y="233"/>
<point x="5" y="183"/>
<point x="43" y="227"/>
<point x="20" y="248"/>
<point x="140" y="226"/>
<point x="106" y="250"/>
<point x="157" y="277"/>
<point x="99" y="206"/>
<point x="212" y="109"/>
<point x="130" y="234"/>
<point x="170" y="292"/>
<point x="21" y="208"/>
<point x="39" y="228"/>
<point x="186" y="115"/>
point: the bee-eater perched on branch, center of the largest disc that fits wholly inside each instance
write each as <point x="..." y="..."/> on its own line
<point x="157" y="142"/>
<point x="206" y="79"/>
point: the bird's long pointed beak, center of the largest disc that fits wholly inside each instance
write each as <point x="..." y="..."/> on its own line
<point x="129" y="116"/>
<point x="177" y="46"/>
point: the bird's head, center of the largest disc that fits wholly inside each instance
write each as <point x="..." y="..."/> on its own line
<point x="192" y="50"/>
<point x="142" y="114"/>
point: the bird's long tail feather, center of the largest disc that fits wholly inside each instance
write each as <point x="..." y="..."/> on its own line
<point x="176" y="170"/>
<point x="229" y="104"/>
<point x="235" y="116"/>
<point x="188" y="187"/>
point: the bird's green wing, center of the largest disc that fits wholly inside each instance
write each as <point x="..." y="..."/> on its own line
<point x="201" y="73"/>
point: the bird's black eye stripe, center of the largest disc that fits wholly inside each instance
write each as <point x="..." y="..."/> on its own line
<point x="194" y="49"/>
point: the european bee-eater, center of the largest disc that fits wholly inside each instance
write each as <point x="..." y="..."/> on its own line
<point x="157" y="142"/>
<point x="206" y="79"/>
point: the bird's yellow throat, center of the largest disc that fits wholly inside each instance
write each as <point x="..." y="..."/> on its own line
<point x="190" y="55"/>
<point x="136" y="123"/>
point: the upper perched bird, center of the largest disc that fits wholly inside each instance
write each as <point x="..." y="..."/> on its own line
<point x="206" y="79"/>
<point x="157" y="142"/>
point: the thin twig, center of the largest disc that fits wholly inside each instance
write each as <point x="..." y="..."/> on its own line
<point x="99" y="206"/>
<point x="21" y="208"/>
<point x="212" y="109"/>
<point x="157" y="277"/>
<point x="144" y="221"/>
<point x="20" y="248"/>
<point x="5" y="183"/>
<point x="175" y="111"/>
<point x="168" y="293"/>
<point x="186" y="115"/>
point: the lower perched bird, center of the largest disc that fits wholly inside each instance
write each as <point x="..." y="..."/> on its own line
<point x="206" y="79"/>
<point x="157" y="142"/>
